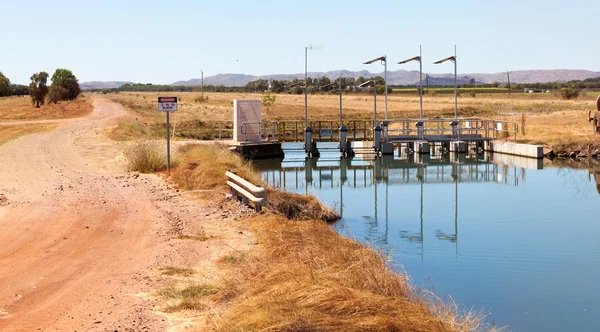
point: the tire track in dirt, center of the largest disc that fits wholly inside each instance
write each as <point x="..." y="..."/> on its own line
<point x="79" y="241"/>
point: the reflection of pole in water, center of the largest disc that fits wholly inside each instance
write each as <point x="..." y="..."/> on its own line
<point x="308" y="172"/>
<point x="343" y="179"/>
<point x="375" y="186"/>
<point x="386" y="211"/>
<point x="421" y="219"/>
<point x="456" y="214"/>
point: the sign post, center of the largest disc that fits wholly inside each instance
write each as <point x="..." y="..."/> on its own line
<point x="168" y="105"/>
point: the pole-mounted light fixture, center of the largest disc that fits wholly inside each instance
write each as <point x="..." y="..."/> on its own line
<point x="453" y="59"/>
<point x="418" y="58"/>
<point x="374" y="83"/>
<point x="383" y="60"/>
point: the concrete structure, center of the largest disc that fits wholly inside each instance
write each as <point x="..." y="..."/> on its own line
<point x="246" y="191"/>
<point x="246" y="121"/>
<point x="517" y="161"/>
<point x="422" y="147"/>
<point x="458" y="146"/>
<point x="516" y="149"/>
<point x="260" y="151"/>
<point x="387" y="148"/>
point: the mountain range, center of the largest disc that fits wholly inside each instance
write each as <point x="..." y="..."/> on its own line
<point x="398" y="77"/>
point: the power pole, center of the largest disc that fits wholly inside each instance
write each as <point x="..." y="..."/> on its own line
<point x="508" y="76"/>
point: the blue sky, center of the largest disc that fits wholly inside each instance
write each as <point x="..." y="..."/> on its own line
<point x="162" y="42"/>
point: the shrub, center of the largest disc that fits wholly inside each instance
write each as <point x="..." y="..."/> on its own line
<point x="472" y="94"/>
<point x="201" y="99"/>
<point x="569" y="93"/>
<point x="147" y="157"/>
<point x="56" y="93"/>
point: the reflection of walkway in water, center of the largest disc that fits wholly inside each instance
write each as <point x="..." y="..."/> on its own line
<point x="307" y="175"/>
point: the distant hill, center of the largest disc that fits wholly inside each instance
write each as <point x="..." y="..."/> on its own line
<point x="398" y="77"/>
<point x="404" y="77"/>
<point x="101" y="85"/>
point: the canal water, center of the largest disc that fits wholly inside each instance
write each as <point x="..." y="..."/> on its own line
<point x="504" y="235"/>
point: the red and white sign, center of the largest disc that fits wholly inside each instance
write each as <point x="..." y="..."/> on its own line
<point x="167" y="104"/>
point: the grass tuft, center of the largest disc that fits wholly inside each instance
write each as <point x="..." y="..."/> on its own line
<point x="148" y="157"/>
<point x="204" y="167"/>
<point x="200" y="236"/>
<point x="188" y="298"/>
<point x="233" y="258"/>
<point x="177" y="271"/>
<point x="300" y="207"/>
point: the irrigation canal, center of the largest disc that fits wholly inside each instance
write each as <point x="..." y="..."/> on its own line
<point x="506" y="236"/>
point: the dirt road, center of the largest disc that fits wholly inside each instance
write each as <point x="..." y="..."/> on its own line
<point x="80" y="240"/>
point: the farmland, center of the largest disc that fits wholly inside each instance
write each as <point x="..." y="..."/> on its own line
<point x="545" y="117"/>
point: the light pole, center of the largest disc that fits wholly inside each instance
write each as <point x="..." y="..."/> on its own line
<point x="376" y="128"/>
<point x="306" y="48"/>
<point x="374" y="82"/>
<point x="508" y="77"/>
<point x="453" y="59"/>
<point x="418" y="58"/>
<point x="307" y="130"/>
<point x="202" y="88"/>
<point x="383" y="59"/>
<point x="343" y="129"/>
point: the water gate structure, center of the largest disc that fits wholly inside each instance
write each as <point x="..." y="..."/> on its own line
<point x="262" y="139"/>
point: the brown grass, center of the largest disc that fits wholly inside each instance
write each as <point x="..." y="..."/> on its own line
<point x="303" y="276"/>
<point x="20" y="108"/>
<point x="148" y="157"/>
<point x="177" y="271"/>
<point x="551" y="120"/>
<point x="198" y="236"/>
<point x="204" y="166"/>
<point x="299" y="207"/>
<point x="186" y="298"/>
<point x="306" y="277"/>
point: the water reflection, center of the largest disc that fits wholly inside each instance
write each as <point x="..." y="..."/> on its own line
<point x="369" y="175"/>
<point x="596" y="176"/>
<point x="495" y="232"/>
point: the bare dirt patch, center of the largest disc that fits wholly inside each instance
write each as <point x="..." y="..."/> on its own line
<point x="20" y="108"/>
<point x="83" y="242"/>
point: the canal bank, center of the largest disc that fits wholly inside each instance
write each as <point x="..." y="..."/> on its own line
<point x="511" y="236"/>
<point x="302" y="274"/>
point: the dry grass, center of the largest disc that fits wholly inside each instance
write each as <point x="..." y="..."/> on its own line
<point x="234" y="258"/>
<point x="10" y="132"/>
<point x="148" y="157"/>
<point x="299" y="207"/>
<point x="177" y="271"/>
<point x="187" y="298"/>
<point x="551" y="120"/>
<point x="303" y="276"/>
<point x="306" y="277"/>
<point x="20" y="108"/>
<point x="198" y="236"/>
<point x="204" y="167"/>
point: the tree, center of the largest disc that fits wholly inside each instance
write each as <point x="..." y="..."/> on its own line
<point x="38" y="88"/>
<point x="65" y="85"/>
<point x="4" y="86"/>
